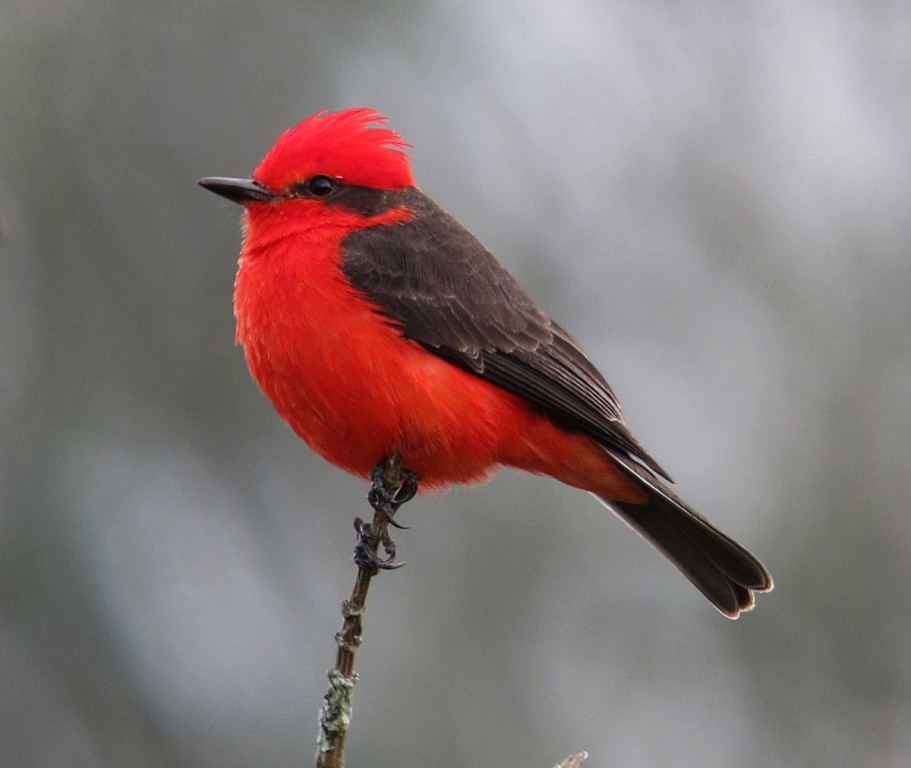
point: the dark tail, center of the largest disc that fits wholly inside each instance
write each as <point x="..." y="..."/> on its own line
<point x="720" y="568"/>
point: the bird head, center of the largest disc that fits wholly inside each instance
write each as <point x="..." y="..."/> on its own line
<point x="328" y="150"/>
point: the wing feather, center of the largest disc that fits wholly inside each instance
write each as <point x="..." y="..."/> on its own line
<point x="432" y="278"/>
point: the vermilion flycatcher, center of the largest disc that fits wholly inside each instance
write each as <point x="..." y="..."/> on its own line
<point x="377" y="324"/>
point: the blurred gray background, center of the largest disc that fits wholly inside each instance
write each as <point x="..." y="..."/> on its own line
<point x="714" y="197"/>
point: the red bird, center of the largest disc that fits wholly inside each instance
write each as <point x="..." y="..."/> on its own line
<point x="376" y="323"/>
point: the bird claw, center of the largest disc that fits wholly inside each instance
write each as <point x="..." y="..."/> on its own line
<point x="365" y="556"/>
<point x="386" y="502"/>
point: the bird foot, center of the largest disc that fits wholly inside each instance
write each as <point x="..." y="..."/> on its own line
<point x="388" y="500"/>
<point x="390" y="487"/>
<point x="368" y="542"/>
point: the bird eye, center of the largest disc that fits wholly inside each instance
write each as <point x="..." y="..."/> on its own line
<point x="319" y="186"/>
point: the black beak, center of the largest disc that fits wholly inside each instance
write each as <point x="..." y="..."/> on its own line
<point x="237" y="190"/>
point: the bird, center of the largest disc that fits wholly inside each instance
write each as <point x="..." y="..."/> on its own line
<point x="378" y="325"/>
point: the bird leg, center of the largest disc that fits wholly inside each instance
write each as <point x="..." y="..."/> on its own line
<point x="391" y="486"/>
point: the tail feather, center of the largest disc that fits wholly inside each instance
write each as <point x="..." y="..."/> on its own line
<point x="726" y="573"/>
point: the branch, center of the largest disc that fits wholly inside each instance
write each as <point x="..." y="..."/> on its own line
<point x="572" y="761"/>
<point x="392" y="487"/>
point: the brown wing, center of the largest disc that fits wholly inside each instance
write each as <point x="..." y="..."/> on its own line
<point x="436" y="281"/>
